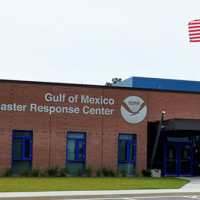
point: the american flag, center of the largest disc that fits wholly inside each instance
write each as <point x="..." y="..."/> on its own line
<point x="194" y="30"/>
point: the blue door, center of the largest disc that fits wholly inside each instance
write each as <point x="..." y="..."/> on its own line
<point x="178" y="159"/>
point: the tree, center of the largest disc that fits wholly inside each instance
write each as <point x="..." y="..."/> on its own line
<point x="114" y="81"/>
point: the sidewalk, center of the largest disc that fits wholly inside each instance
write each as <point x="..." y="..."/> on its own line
<point x="192" y="188"/>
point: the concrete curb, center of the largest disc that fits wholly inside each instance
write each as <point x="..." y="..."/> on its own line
<point x="95" y="194"/>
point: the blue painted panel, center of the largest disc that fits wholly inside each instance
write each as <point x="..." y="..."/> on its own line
<point x="125" y="83"/>
<point x="162" y="84"/>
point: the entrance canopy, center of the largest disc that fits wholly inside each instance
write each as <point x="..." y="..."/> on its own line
<point x="181" y="125"/>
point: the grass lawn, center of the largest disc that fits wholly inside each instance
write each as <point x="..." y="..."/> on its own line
<point x="75" y="183"/>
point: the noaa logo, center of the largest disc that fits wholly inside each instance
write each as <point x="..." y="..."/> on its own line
<point x="134" y="112"/>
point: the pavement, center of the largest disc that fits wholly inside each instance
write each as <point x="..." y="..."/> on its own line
<point x="192" y="188"/>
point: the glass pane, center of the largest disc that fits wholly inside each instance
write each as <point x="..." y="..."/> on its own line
<point x="126" y="137"/>
<point x="196" y="169"/>
<point x="21" y="165"/>
<point x="150" y="146"/>
<point x="179" y="139"/>
<point x="197" y="138"/>
<point x="122" y="150"/>
<point x="128" y="167"/>
<point x="76" y="135"/>
<point x="75" y="167"/>
<point x="22" y="133"/>
<point x="71" y="149"/>
<point x="131" y="151"/>
<point x="196" y="153"/>
<point x="171" y="159"/>
<point x="17" y="148"/>
<point x="159" y="156"/>
<point x="152" y="136"/>
<point x="27" y="148"/>
<point x="80" y="149"/>
<point x="185" y="159"/>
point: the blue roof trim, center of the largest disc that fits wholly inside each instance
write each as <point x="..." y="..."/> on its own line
<point x="125" y="83"/>
<point x="162" y="84"/>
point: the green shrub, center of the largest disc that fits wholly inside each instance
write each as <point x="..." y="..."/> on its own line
<point x="136" y="173"/>
<point x="88" y="171"/>
<point x="146" y="172"/>
<point x="42" y="173"/>
<point x="111" y="173"/>
<point x="52" y="171"/>
<point x="98" y="172"/>
<point x="26" y="171"/>
<point x="35" y="172"/>
<point x="64" y="172"/>
<point x="123" y="173"/>
<point x="8" y="172"/>
<point x="80" y="172"/>
<point x="108" y="172"/>
<point x="104" y="171"/>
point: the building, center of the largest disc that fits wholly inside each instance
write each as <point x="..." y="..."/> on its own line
<point x="48" y="124"/>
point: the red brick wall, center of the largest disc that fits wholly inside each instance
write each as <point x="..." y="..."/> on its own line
<point x="50" y="131"/>
<point x="176" y="105"/>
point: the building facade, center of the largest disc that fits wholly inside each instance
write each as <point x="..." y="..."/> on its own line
<point x="48" y="124"/>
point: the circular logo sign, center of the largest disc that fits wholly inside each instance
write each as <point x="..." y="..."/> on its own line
<point x="133" y="112"/>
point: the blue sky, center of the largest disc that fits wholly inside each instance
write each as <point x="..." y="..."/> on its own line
<point x="93" y="41"/>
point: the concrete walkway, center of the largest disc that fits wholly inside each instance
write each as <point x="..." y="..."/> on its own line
<point x="192" y="188"/>
<point x="194" y="183"/>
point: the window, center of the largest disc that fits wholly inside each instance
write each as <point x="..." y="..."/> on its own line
<point x="127" y="153"/>
<point x="22" y="150"/>
<point x="76" y="152"/>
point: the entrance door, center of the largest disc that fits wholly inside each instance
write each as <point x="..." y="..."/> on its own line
<point x="185" y="159"/>
<point x="178" y="159"/>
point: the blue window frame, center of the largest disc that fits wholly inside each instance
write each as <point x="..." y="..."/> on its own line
<point x="21" y="150"/>
<point x="76" y="149"/>
<point x="127" y="153"/>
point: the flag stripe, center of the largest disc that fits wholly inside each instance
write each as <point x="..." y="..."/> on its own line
<point x="195" y="37"/>
<point x="193" y="23"/>
<point x="194" y="40"/>
<point x="194" y="26"/>
<point x="197" y="20"/>
<point x="191" y="34"/>
<point x="194" y="30"/>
